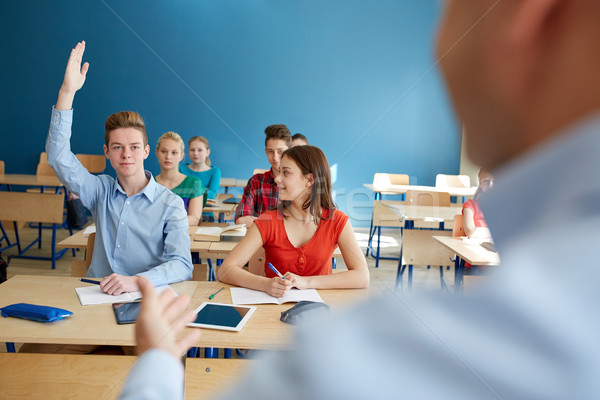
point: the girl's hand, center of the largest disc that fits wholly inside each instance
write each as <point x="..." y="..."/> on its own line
<point x="276" y="286"/>
<point x="297" y="281"/>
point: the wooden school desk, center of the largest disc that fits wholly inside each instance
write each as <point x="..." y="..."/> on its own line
<point x="402" y="189"/>
<point x="264" y="330"/>
<point x="469" y="250"/>
<point x="227" y="183"/>
<point x="29" y="180"/>
<point x="93" y="325"/>
<point x="62" y="376"/>
<point x="79" y="241"/>
<point x="96" y="325"/>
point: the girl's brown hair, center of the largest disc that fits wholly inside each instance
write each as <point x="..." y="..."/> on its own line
<point x="311" y="160"/>
<point x="203" y="140"/>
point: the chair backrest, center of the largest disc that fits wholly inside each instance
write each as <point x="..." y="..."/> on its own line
<point x="206" y="377"/>
<point x="384" y="179"/>
<point x="32" y="207"/>
<point x="384" y="215"/>
<point x="1" y="167"/>
<point x="44" y="169"/>
<point x="446" y="181"/>
<point x="94" y="163"/>
<point x="259" y="171"/>
<point x="420" y="248"/>
<point x="457" y="227"/>
<point x="426" y="198"/>
<point x="200" y="272"/>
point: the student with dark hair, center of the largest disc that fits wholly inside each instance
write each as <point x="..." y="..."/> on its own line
<point x="261" y="193"/>
<point x="299" y="140"/>
<point x="299" y="236"/>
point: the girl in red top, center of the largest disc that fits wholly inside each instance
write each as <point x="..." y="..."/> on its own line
<point x="473" y="222"/>
<point x="299" y="236"/>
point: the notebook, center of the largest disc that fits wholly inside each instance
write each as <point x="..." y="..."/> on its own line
<point x="92" y="295"/>
<point x="250" y="296"/>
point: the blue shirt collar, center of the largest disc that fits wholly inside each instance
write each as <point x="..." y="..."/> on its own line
<point x="149" y="191"/>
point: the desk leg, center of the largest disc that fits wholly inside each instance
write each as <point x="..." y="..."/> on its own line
<point x="211" y="352"/>
<point x="10" y="347"/>
<point x="459" y="272"/>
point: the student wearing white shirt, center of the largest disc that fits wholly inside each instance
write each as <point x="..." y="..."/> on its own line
<point x="522" y="75"/>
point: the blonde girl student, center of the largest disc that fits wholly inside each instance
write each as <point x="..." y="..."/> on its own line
<point x="300" y="235"/>
<point x="169" y="151"/>
<point x="200" y="167"/>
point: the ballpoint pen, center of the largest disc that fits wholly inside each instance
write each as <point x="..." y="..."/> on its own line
<point x="215" y="293"/>
<point x="89" y="281"/>
<point x="275" y="270"/>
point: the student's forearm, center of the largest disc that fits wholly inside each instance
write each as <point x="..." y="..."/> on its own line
<point x="352" y="279"/>
<point x="239" y="277"/>
<point x="65" y="99"/>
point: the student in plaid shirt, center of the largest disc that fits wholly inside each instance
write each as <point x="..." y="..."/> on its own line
<point x="261" y="195"/>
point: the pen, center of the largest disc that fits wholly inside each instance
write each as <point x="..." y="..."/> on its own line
<point x="89" y="281"/>
<point x="215" y="293"/>
<point x="275" y="270"/>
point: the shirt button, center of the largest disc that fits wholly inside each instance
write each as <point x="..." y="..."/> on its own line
<point x="116" y="266"/>
<point x="128" y="202"/>
<point x="122" y="223"/>
<point x="119" y="246"/>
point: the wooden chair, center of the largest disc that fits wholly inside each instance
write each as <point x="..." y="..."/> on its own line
<point x="382" y="180"/>
<point x="200" y="272"/>
<point x="427" y="199"/>
<point x="383" y="216"/>
<point x="205" y="378"/>
<point x="1" y="167"/>
<point x="419" y="248"/>
<point x="37" y="207"/>
<point x="259" y="171"/>
<point x="80" y="268"/>
<point x="94" y="163"/>
<point x="63" y="376"/>
<point x="448" y="181"/>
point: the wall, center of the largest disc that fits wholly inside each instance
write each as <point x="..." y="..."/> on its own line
<point x="356" y="77"/>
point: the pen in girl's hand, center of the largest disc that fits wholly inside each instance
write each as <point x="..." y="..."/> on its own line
<point x="275" y="270"/>
<point x="89" y="281"/>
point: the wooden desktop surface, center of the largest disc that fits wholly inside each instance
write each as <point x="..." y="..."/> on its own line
<point x="401" y="189"/>
<point x="29" y="180"/>
<point x="88" y="325"/>
<point x="264" y="330"/>
<point x="414" y="213"/>
<point x="96" y="324"/>
<point x="469" y="250"/>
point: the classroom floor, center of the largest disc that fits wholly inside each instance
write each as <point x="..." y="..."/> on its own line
<point x="382" y="278"/>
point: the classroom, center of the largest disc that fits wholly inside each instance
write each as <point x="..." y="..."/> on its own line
<point x="362" y="81"/>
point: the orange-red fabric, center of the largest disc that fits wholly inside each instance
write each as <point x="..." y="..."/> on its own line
<point x="477" y="214"/>
<point x="314" y="258"/>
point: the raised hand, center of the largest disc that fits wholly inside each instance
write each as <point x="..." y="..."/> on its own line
<point x="74" y="78"/>
<point x="161" y="319"/>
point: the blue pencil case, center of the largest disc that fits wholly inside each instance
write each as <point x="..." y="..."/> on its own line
<point x="34" y="312"/>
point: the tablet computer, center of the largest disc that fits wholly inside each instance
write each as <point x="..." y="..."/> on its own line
<point x="227" y="317"/>
<point x="126" y="313"/>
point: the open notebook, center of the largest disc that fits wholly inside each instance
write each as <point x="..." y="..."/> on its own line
<point x="249" y="296"/>
<point x="92" y="295"/>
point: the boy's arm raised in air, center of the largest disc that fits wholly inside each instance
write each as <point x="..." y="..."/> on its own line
<point x="64" y="163"/>
<point x="74" y="78"/>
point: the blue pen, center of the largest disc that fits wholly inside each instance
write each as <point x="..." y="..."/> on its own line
<point x="89" y="281"/>
<point x="275" y="270"/>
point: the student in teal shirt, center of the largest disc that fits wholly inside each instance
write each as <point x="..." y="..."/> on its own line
<point x="200" y="166"/>
<point x="169" y="151"/>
